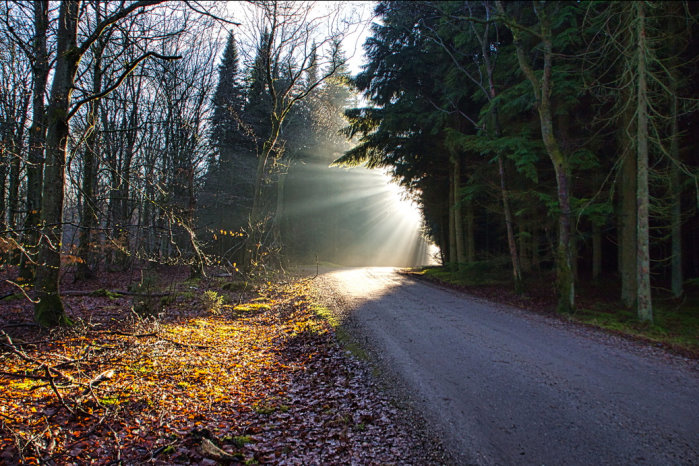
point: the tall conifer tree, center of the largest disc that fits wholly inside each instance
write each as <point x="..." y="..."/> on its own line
<point x="229" y="100"/>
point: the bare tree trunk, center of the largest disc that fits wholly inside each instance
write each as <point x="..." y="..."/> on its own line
<point x="627" y="228"/>
<point x="120" y="188"/>
<point x="643" y="303"/>
<point x="3" y="177"/>
<point x="458" y="215"/>
<point x="509" y="224"/>
<point x="49" y="310"/>
<point x="258" y="215"/>
<point x="596" y="250"/>
<point x="676" y="261"/>
<point x="279" y="212"/>
<point x="512" y="245"/>
<point x="37" y="138"/>
<point x="452" y="235"/>
<point x="88" y="214"/>
<point x="14" y="181"/>
<point x="470" y="232"/>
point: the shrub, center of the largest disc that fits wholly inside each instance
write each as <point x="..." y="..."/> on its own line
<point x="213" y="302"/>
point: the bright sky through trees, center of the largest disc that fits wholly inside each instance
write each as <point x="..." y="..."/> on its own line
<point x="397" y="226"/>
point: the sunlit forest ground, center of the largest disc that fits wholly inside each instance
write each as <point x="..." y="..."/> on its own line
<point x="675" y="325"/>
<point x="189" y="371"/>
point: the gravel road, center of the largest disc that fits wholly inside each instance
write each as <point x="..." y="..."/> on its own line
<point x="503" y="386"/>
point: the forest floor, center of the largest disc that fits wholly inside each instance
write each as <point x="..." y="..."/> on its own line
<point x="675" y="326"/>
<point x="208" y="371"/>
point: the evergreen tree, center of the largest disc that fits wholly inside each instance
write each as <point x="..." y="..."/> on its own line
<point x="259" y="103"/>
<point x="227" y="195"/>
<point x="227" y="129"/>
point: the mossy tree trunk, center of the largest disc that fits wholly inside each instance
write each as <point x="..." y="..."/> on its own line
<point x="49" y="309"/>
<point x="542" y="86"/>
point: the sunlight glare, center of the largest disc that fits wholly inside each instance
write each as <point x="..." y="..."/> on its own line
<point x="392" y="235"/>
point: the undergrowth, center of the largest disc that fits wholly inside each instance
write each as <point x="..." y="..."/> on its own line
<point x="675" y="323"/>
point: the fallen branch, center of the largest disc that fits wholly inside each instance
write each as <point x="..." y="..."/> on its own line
<point x="211" y="451"/>
<point x="103" y="377"/>
<point x="186" y="345"/>
<point x="124" y="292"/>
<point x="55" y="390"/>
<point x="21" y="324"/>
<point x="125" y="334"/>
<point x="14" y="350"/>
<point x="22" y="355"/>
<point x="14" y="375"/>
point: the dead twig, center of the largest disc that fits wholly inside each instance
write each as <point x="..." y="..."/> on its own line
<point x="22" y="355"/>
<point x="14" y="350"/>
<point x="22" y="291"/>
<point x="55" y="390"/>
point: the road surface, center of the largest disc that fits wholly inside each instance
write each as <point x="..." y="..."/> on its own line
<point x="503" y="386"/>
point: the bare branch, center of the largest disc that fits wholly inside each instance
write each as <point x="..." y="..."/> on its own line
<point x="129" y="69"/>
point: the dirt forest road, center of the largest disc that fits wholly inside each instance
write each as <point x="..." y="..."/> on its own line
<point x="502" y="386"/>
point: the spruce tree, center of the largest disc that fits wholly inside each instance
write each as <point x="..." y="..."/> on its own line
<point x="226" y="125"/>
<point x="227" y="193"/>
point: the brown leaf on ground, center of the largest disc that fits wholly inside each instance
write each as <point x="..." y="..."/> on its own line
<point x="263" y="380"/>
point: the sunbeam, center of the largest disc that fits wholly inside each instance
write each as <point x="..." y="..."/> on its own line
<point x="354" y="217"/>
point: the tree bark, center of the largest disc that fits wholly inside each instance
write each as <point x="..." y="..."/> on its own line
<point x="512" y="245"/>
<point x="458" y="215"/>
<point x="543" y="86"/>
<point x="279" y="211"/>
<point x="258" y="218"/>
<point x="627" y="226"/>
<point x="15" y="162"/>
<point x="49" y="310"/>
<point x="470" y="232"/>
<point x="4" y="154"/>
<point x="509" y="223"/>
<point x="643" y="302"/>
<point x="88" y="214"/>
<point x="676" y="219"/>
<point x="596" y="250"/>
<point x="452" y="235"/>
